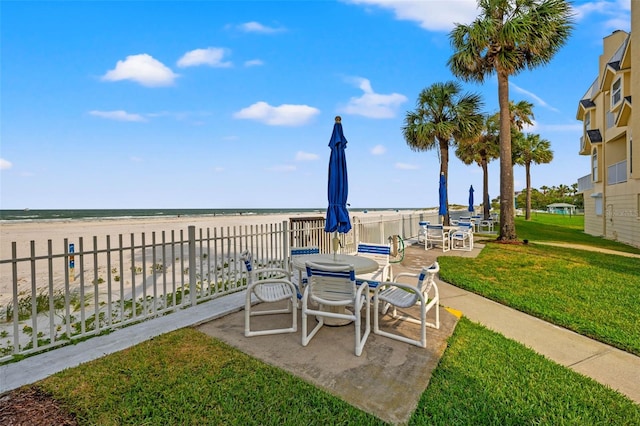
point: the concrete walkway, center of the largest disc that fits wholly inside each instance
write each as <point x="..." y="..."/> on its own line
<point x="588" y="248"/>
<point x="605" y="364"/>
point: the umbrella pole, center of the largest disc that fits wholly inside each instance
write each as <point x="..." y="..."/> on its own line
<point x="335" y="244"/>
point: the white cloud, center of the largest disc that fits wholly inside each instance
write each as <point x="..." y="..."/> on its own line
<point x="5" y="164"/>
<point x="118" y="115"/>
<point x="283" y="115"/>
<point x="432" y="15"/>
<point x="306" y="156"/>
<point x="405" y="166"/>
<point x="211" y="56"/>
<point x="257" y="27"/>
<point x="283" y="168"/>
<point x="617" y="11"/>
<point x="143" y="69"/>
<point x="371" y="104"/>
<point x="378" y="150"/>
<point x="253" y="63"/>
<point x="539" y="101"/>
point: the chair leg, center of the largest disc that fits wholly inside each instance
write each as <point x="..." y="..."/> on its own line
<point x="307" y="336"/>
<point x="291" y="308"/>
<point x="361" y="339"/>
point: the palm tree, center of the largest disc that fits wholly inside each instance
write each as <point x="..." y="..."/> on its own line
<point x="563" y="190"/>
<point x="544" y="189"/>
<point x="481" y="149"/>
<point x="574" y="189"/>
<point x="442" y="117"/>
<point x="520" y="113"/>
<point x="508" y="37"/>
<point x="531" y="148"/>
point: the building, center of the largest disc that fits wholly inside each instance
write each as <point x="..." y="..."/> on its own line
<point x="612" y="188"/>
<point x="561" y="208"/>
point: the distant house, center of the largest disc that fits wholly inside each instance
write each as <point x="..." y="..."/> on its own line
<point x="561" y="208"/>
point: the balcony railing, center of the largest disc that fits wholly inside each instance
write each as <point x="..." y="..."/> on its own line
<point x="617" y="173"/>
<point x="585" y="183"/>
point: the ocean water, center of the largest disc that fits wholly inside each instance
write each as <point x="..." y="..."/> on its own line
<point x="28" y="215"/>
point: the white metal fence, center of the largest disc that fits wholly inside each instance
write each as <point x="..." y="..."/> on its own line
<point x="73" y="292"/>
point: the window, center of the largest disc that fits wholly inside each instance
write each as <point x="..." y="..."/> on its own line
<point x="594" y="165"/>
<point x="616" y="92"/>
<point x="587" y="121"/>
<point x="598" y="205"/>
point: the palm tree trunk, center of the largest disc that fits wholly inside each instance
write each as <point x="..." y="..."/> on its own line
<point x="507" y="210"/>
<point x="485" y="189"/>
<point x="527" y="167"/>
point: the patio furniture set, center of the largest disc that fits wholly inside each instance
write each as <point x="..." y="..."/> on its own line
<point x="338" y="289"/>
<point x="457" y="236"/>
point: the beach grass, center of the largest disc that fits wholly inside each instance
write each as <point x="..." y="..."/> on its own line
<point x="188" y="378"/>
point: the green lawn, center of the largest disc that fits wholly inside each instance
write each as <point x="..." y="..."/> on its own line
<point x="592" y="293"/>
<point x="188" y="378"/>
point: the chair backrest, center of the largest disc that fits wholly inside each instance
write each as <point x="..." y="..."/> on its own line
<point x="465" y="226"/>
<point x="331" y="285"/>
<point x="378" y="252"/>
<point x="435" y="231"/>
<point x="257" y="273"/>
<point x="464" y="219"/>
<point x="247" y="258"/>
<point x="423" y="223"/>
<point x="300" y="251"/>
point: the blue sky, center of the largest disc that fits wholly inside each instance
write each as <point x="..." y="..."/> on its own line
<point x="231" y="104"/>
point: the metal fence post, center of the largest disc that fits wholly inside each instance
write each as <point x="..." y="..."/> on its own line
<point x="192" y="264"/>
<point x="285" y="240"/>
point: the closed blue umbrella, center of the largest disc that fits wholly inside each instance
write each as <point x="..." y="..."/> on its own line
<point x="338" y="188"/>
<point x="471" y="209"/>
<point x="442" y="192"/>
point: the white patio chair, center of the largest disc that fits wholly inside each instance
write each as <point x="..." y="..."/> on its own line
<point x="269" y="285"/>
<point x="486" y="226"/>
<point x="299" y="276"/>
<point x="394" y="295"/>
<point x="380" y="253"/>
<point x="462" y="238"/>
<point x="334" y="288"/>
<point x="422" y="232"/>
<point x="436" y="234"/>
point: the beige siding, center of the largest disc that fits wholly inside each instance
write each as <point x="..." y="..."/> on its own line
<point x="592" y="223"/>
<point x="634" y="120"/>
<point x="622" y="219"/>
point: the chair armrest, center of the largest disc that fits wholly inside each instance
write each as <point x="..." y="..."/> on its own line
<point x="405" y="274"/>
<point x="361" y="288"/>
